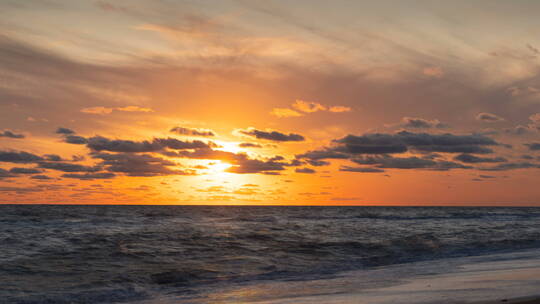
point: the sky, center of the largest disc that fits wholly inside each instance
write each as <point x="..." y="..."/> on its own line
<point x="270" y="102"/>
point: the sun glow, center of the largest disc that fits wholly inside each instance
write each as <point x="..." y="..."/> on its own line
<point x="218" y="167"/>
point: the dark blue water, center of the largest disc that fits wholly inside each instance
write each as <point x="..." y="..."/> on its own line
<point x="109" y="254"/>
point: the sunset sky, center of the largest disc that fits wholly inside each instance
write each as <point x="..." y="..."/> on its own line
<point x="270" y="102"/>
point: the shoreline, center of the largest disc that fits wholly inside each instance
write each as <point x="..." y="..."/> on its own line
<point x="495" y="279"/>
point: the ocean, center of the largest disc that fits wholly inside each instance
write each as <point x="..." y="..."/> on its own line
<point x="188" y="254"/>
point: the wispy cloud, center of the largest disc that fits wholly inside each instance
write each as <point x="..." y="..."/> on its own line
<point x="106" y="110"/>
<point x="302" y="107"/>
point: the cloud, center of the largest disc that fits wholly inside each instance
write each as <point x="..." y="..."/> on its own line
<point x="421" y="123"/>
<point x="518" y="130"/>
<point x="205" y="153"/>
<point x="97" y="110"/>
<point x="68" y="167"/>
<point x="41" y="177"/>
<point x="305" y="170"/>
<point x="134" y="109"/>
<point x="70" y="137"/>
<point x="511" y="166"/>
<point x="302" y="107"/>
<point x="138" y="164"/>
<point x="533" y="146"/>
<point x="272" y="135"/>
<point x="371" y="144"/>
<point x="533" y="49"/>
<point x="192" y="131"/>
<point x="244" y="165"/>
<point x="19" y="157"/>
<point x="472" y="159"/>
<point x="241" y="163"/>
<point x="308" y="106"/>
<point x="345" y="198"/>
<point x="401" y="142"/>
<point x="18" y="170"/>
<point x="324" y="153"/>
<point x="52" y="157"/>
<point x="488" y="117"/>
<point x="64" y="131"/>
<point x="75" y="140"/>
<point x="99" y="143"/>
<point x="375" y="150"/>
<point x="249" y="145"/>
<point x="339" y="109"/>
<point x="11" y="134"/>
<point x="413" y="162"/>
<point x="317" y="163"/>
<point x="360" y="169"/>
<point x="434" y="71"/>
<point x="5" y="174"/>
<point x="285" y="112"/>
<point x="19" y="190"/>
<point x="90" y="176"/>
<point x="245" y="191"/>
<point x="106" y="110"/>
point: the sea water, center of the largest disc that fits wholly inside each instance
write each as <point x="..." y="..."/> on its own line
<point x="110" y="254"/>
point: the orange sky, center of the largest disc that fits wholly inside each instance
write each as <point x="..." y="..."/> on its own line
<point x="267" y="102"/>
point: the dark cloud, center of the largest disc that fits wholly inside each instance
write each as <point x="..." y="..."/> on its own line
<point x="75" y="139"/>
<point x="90" y="176"/>
<point x="272" y="135"/>
<point x="207" y="153"/>
<point x="361" y="169"/>
<point x="5" y="173"/>
<point x="413" y="162"/>
<point x="19" y="190"/>
<point x="533" y="146"/>
<point x="472" y="159"/>
<point x="305" y="170"/>
<point x="243" y="165"/>
<point x="52" y="157"/>
<point x="488" y="117"/>
<point x="19" y="157"/>
<point x="511" y="166"/>
<point x="424" y="142"/>
<point x="249" y="145"/>
<point x="518" y="130"/>
<point x="371" y="144"/>
<point x="11" y="134"/>
<point x="317" y="163"/>
<point x="421" y="123"/>
<point x="99" y="143"/>
<point x="138" y="164"/>
<point x="64" y="131"/>
<point x="379" y="146"/>
<point x="68" y="167"/>
<point x="325" y="153"/>
<point x="192" y="131"/>
<point x="18" y="170"/>
<point x="41" y="177"/>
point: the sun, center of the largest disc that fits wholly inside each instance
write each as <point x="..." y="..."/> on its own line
<point x="218" y="167"/>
